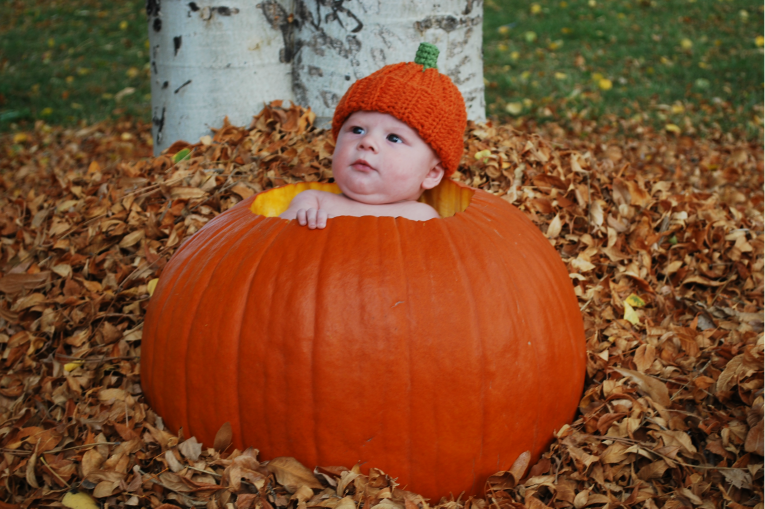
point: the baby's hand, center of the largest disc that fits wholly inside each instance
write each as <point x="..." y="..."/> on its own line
<point x="314" y="218"/>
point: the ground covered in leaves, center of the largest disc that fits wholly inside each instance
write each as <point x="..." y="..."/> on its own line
<point x="662" y="236"/>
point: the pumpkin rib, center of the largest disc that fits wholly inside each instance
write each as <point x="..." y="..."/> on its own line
<point x="149" y="354"/>
<point x="407" y="465"/>
<point x="314" y="406"/>
<point x="535" y="371"/>
<point x="556" y="273"/>
<point x="201" y="320"/>
<point x="579" y="350"/>
<point x="410" y="414"/>
<point x="482" y="226"/>
<point x="270" y="324"/>
<point x="269" y="240"/>
<point x="476" y="330"/>
<point x="187" y="282"/>
<point x="196" y="316"/>
<point x="480" y="222"/>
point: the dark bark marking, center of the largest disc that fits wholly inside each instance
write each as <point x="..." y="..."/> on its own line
<point x="299" y="90"/>
<point x="337" y="9"/>
<point x="207" y="12"/>
<point x="157" y="25"/>
<point x="177" y="44"/>
<point x="179" y="88"/>
<point x="469" y="6"/>
<point x="455" y="72"/>
<point x="160" y="123"/>
<point x="152" y="7"/>
<point x="193" y="6"/>
<point x="447" y="23"/>
<point x="154" y="52"/>
<point x="329" y="98"/>
<point x="164" y="85"/>
<point x="315" y="71"/>
<point x="347" y="50"/>
<point x="278" y="17"/>
<point x="378" y="56"/>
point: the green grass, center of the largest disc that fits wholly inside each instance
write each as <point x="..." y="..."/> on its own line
<point x="68" y="61"/>
<point x="694" y="64"/>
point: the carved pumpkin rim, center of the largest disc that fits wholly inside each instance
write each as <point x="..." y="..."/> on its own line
<point x="449" y="197"/>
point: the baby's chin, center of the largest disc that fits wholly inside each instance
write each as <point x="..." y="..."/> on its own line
<point x="369" y="199"/>
<point x="368" y="196"/>
<point x="370" y="192"/>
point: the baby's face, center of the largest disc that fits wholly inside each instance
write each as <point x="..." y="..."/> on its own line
<point x="379" y="159"/>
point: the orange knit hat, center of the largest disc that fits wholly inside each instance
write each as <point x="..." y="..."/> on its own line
<point x="418" y="95"/>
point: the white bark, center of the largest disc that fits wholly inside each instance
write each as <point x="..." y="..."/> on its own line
<point x="210" y="60"/>
<point x="338" y="42"/>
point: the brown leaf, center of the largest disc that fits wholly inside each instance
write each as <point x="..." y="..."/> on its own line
<point x="91" y="462"/>
<point x="187" y="193"/>
<point x="509" y="479"/>
<point x="653" y="470"/>
<point x="291" y="474"/>
<point x="644" y="357"/>
<point x="107" y="395"/>
<point x="29" y="301"/>
<point x="15" y="283"/>
<point x="648" y="385"/>
<point x="676" y="438"/>
<point x="174" y="482"/>
<point x="581" y="498"/>
<point x="754" y="439"/>
<point x="30" y="472"/>
<point x="132" y="238"/>
<point x="173" y="462"/>
<point x="105" y="489"/>
<point x="243" y="191"/>
<point x="191" y="449"/>
<point x="615" y="453"/>
<point x="223" y="437"/>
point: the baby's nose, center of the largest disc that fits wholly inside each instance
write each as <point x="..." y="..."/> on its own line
<point x="368" y="143"/>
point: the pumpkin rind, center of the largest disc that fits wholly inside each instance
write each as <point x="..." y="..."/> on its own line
<point x="437" y="351"/>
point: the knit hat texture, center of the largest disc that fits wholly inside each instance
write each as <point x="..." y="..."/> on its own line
<point x="419" y="96"/>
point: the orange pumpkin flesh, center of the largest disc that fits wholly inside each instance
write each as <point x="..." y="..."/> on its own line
<point x="437" y="351"/>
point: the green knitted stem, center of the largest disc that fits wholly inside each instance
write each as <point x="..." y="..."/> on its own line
<point x="427" y="55"/>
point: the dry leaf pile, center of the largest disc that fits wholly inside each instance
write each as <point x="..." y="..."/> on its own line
<point x="663" y="238"/>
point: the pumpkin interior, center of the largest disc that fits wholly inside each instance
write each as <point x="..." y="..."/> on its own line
<point x="447" y="198"/>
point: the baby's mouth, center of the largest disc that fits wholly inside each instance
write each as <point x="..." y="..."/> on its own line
<point x="362" y="165"/>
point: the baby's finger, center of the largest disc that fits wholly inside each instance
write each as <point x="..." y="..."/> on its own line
<point x="301" y="217"/>
<point x="321" y="219"/>
<point x="311" y="216"/>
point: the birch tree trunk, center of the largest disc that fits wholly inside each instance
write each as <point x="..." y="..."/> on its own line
<point x="209" y="61"/>
<point x="340" y="41"/>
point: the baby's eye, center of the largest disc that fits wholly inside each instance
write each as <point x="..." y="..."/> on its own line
<point x="395" y="138"/>
<point x="357" y="130"/>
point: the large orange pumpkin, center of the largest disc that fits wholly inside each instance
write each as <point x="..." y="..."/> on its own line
<point x="437" y="351"/>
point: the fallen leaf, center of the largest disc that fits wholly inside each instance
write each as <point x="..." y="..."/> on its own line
<point x="648" y="385"/>
<point x="191" y="449"/>
<point x="16" y="283"/>
<point x="223" y="437"/>
<point x="291" y="474"/>
<point x="754" y="439"/>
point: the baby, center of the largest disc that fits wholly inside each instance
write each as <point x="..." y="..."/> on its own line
<point x="397" y="133"/>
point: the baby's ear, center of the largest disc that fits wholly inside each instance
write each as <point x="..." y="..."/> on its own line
<point x="434" y="176"/>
